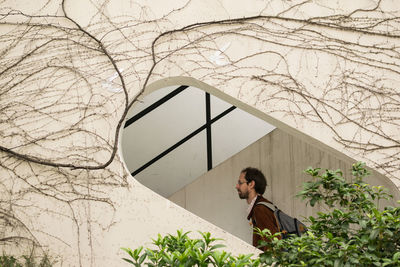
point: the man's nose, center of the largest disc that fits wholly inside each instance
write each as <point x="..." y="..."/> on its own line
<point x="237" y="186"/>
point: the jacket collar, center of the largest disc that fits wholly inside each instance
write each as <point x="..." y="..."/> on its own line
<point x="258" y="199"/>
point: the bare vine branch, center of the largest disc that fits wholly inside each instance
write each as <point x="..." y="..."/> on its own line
<point x="67" y="84"/>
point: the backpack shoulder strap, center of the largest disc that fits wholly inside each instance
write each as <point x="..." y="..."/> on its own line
<point x="268" y="205"/>
<point x="274" y="209"/>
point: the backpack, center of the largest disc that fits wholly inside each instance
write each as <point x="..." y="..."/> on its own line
<point x="287" y="225"/>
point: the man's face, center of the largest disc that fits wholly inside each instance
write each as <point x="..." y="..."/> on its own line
<point x="242" y="187"/>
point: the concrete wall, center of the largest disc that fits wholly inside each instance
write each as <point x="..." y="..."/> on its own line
<point x="282" y="158"/>
<point x="70" y="71"/>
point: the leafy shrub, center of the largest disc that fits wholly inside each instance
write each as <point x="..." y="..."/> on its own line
<point x="355" y="232"/>
<point x="180" y="250"/>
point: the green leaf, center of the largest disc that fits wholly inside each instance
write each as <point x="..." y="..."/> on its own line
<point x="337" y="263"/>
<point x="313" y="201"/>
<point x="217" y="246"/>
<point x="374" y="234"/>
<point x="396" y="256"/>
<point x="128" y="260"/>
<point x="142" y="258"/>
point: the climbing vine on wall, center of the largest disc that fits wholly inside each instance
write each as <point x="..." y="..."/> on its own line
<point x="67" y="81"/>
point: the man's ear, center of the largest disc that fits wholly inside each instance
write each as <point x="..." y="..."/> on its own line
<point x="252" y="184"/>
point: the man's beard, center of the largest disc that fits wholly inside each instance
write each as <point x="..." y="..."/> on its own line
<point x="243" y="195"/>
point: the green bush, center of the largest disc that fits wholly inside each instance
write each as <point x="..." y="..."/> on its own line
<point x="180" y="250"/>
<point x="354" y="232"/>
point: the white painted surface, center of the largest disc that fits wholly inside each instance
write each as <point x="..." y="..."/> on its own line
<point x="85" y="215"/>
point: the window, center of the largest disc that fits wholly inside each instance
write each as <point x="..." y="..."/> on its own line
<point x="175" y="134"/>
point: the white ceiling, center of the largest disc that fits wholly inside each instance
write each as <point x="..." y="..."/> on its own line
<point x="174" y="120"/>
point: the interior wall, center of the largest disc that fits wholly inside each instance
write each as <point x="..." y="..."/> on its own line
<point x="282" y="158"/>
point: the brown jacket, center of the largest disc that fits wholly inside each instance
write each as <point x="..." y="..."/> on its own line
<point x="262" y="217"/>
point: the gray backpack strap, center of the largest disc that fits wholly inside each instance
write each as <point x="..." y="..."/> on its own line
<point x="268" y="205"/>
<point x="274" y="209"/>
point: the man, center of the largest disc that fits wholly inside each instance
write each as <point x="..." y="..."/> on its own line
<point x="251" y="186"/>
